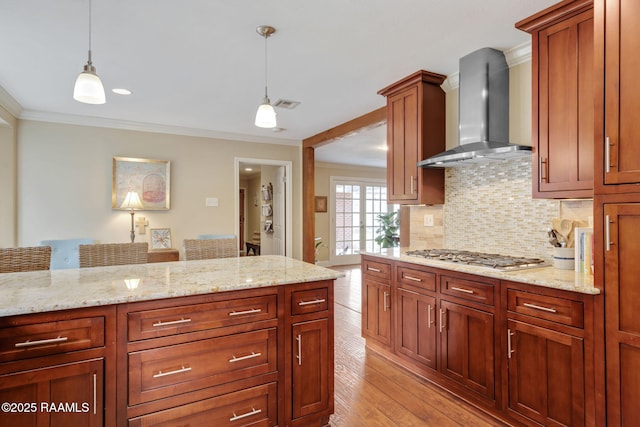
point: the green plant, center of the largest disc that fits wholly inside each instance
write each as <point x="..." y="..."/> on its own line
<point x="387" y="233"/>
<point x="319" y="245"/>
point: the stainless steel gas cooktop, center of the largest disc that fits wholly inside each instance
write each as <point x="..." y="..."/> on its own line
<point x="495" y="261"/>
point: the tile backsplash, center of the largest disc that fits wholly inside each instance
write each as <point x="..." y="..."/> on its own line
<point x="488" y="208"/>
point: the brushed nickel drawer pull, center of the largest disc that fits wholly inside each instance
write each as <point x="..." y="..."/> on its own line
<point x="415" y="279"/>
<point x="607" y="155"/>
<point x="466" y="291"/>
<point x="177" y="371"/>
<point x="541" y="308"/>
<point x="384" y="301"/>
<point x="29" y="343"/>
<point x="240" y="313"/>
<point x="429" y="321"/>
<point x="248" y="414"/>
<point x="509" y="351"/>
<point x="248" y="356"/>
<point x="441" y="320"/>
<point x="607" y="232"/>
<point x="95" y="392"/>
<point x="171" y="322"/>
<point x="299" y="356"/>
<point x="374" y="269"/>
<point x="411" y="185"/>
<point x="315" y="301"/>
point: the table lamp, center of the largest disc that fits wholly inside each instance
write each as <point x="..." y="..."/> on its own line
<point x="132" y="201"/>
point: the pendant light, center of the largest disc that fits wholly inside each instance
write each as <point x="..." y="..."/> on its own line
<point x="266" y="115"/>
<point x="88" y="88"/>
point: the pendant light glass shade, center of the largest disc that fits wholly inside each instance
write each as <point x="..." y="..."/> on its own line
<point x="266" y="115"/>
<point x="88" y="87"/>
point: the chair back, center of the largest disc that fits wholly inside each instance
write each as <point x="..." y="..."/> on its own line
<point x="210" y="248"/>
<point x="64" y="252"/>
<point x="33" y="258"/>
<point x="103" y="254"/>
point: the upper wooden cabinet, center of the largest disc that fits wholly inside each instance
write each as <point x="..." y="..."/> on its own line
<point x="617" y="43"/>
<point x="563" y="99"/>
<point x="415" y="131"/>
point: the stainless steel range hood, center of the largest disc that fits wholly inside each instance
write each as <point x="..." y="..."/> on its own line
<point x="484" y="113"/>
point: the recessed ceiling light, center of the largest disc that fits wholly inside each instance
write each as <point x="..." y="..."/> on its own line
<point x="248" y="169"/>
<point x="120" y="91"/>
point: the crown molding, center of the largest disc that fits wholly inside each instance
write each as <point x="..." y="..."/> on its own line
<point x="9" y="103"/>
<point x="71" y="119"/>
<point x="515" y="56"/>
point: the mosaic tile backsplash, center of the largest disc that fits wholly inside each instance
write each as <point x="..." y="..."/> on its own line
<point x="488" y="208"/>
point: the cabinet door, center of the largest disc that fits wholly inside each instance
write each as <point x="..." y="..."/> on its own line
<point x="402" y="157"/>
<point x="311" y="371"/>
<point x="622" y="91"/>
<point x="467" y="347"/>
<point x="376" y="311"/>
<point x="416" y="327"/>
<point x="565" y="109"/>
<point x="622" y="299"/>
<point x="64" y="395"/>
<point x="546" y="375"/>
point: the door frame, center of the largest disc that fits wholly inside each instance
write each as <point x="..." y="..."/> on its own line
<point x="288" y="208"/>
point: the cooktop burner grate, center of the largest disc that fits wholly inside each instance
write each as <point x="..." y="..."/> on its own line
<point x="495" y="261"/>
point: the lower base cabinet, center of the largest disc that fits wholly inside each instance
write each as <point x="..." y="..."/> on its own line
<point x="376" y="319"/>
<point x="546" y="375"/>
<point x="416" y="328"/>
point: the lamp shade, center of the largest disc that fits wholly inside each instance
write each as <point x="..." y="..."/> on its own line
<point x="266" y="115"/>
<point x="88" y="88"/>
<point x="132" y="201"/>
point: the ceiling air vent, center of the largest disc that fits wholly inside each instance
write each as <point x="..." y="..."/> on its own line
<point x="286" y="103"/>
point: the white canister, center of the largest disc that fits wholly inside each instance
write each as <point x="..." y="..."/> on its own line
<point x="564" y="258"/>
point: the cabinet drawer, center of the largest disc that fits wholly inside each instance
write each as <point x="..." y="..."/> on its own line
<point x="309" y="301"/>
<point x="256" y="406"/>
<point x="380" y="270"/>
<point x="196" y="317"/>
<point x="565" y="311"/>
<point x="416" y="278"/>
<point x="43" y="339"/>
<point x="467" y="289"/>
<point x="167" y="371"/>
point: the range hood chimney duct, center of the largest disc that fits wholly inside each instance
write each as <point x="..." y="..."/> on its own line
<point x="484" y="113"/>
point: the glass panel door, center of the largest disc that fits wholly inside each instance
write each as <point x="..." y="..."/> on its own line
<point x="356" y="206"/>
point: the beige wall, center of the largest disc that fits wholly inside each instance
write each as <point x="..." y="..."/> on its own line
<point x="8" y="144"/>
<point x="65" y="175"/>
<point x="323" y="174"/>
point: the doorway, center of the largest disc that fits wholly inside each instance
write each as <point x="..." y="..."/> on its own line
<point x="267" y="219"/>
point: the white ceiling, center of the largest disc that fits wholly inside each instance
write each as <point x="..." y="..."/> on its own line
<point x="196" y="66"/>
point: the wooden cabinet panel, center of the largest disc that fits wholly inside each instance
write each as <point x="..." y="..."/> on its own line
<point x="481" y="292"/>
<point x="415" y="131"/>
<point x="48" y="338"/>
<point x="546" y="375"/>
<point x="416" y="278"/>
<point x="167" y="371"/>
<point x="310" y="374"/>
<point x="154" y="323"/>
<point x="467" y="347"/>
<point x="375" y="269"/>
<point x="622" y="298"/>
<point x="621" y="38"/>
<point x="376" y="311"/>
<point x="568" y="312"/>
<point x="309" y="301"/>
<point x="79" y="386"/>
<point x="256" y="406"/>
<point x="416" y="328"/>
<point x="563" y="94"/>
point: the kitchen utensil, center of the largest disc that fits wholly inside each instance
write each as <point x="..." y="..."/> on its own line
<point x="553" y="239"/>
<point x="566" y="229"/>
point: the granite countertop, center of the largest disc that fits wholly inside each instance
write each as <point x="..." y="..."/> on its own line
<point x="41" y="291"/>
<point x="549" y="277"/>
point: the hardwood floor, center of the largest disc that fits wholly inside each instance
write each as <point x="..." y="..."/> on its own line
<point x="371" y="391"/>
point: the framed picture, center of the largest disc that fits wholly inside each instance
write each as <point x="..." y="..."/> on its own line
<point x="160" y="238"/>
<point x="321" y="203"/>
<point x="149" y="178"/>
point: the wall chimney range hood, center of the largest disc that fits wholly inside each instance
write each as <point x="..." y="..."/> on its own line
<point x="484" y="113"/>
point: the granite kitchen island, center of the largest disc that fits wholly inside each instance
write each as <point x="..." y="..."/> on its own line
<point x="231" y="341"/>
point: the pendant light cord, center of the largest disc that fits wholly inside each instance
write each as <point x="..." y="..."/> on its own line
<point x="265" y="65"/>
<point x="90" y="32"/>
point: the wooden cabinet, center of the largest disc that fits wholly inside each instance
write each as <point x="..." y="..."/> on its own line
<point x="415" y="131"/>
<point x="58" y="368"/>
<point x="546" y="352"/>
<point x="416" y="329"/>
<point x="622" y="299"/>
<point x="563" y="93"/>
<point x="376" y="301"/>
<point x="617" y="130"/>
<point x="163" y="255"/>
<point x="310" y="365"/>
